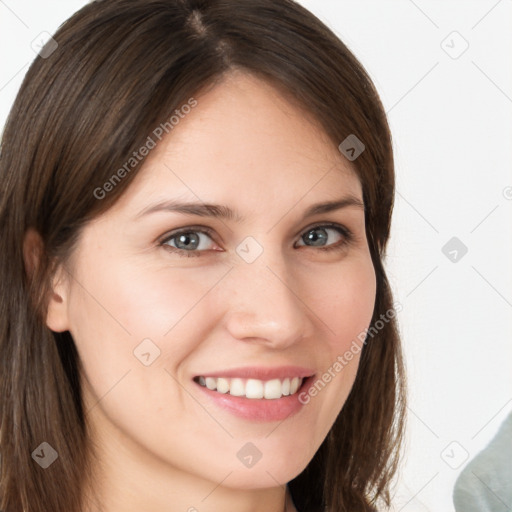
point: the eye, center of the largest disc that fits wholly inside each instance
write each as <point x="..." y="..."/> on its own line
<point x="188" y="242"/>
<point x="318" y="236"/>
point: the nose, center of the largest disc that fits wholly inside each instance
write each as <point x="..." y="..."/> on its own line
<point x="265" y="304"/>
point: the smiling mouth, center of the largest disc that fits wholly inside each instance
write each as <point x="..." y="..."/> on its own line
<point x="252" y="388"/>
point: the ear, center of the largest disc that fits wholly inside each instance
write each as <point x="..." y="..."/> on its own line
<point x="57" y="314"/>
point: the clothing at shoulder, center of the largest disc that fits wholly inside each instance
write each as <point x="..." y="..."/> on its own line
<point x="485" y="484"/>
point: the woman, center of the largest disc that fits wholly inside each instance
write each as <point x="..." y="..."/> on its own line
<point x="195" y="206"/>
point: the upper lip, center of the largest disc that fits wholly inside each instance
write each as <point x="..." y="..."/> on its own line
<point x="262" y="373"/>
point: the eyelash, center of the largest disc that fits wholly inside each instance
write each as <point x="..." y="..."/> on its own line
<point x="347" y="235"/>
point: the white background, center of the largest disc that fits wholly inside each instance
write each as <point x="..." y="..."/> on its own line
<point x="451" y="123"/>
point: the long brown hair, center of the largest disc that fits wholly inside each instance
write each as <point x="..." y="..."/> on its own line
<point x="120" y="69"/>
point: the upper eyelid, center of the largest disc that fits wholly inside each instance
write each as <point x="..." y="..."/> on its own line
<point x="187" y="229"/>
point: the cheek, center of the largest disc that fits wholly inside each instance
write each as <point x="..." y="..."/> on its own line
<point x="131" y="302"/>
<point x="344" y="300"/>
<point x="111" y="323"/>
<point x="345" y="308"/>
<point x="154" y="301"/>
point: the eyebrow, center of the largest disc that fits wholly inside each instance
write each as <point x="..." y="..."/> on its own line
<point x="224" y="212"/>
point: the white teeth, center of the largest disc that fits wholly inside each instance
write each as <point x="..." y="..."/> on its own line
<point x="253" y="388"/>
<point x="222" y="385"/>
<point x="210" y="383"/>
<point x="294" y="385"/>
<point x="273" y="389"/>
<point x="237" y="387"/>
<point x="286" y="387"/>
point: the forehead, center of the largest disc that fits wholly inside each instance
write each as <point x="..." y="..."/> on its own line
<point x="245" y="142"/>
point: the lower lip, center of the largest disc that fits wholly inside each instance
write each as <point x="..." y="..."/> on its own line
<point x="259" y="409"/>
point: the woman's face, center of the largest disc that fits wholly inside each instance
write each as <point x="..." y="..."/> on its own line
<point x="267" y="293"/>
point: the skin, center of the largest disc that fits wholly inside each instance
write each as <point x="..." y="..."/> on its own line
<point x="160" y="444"/>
